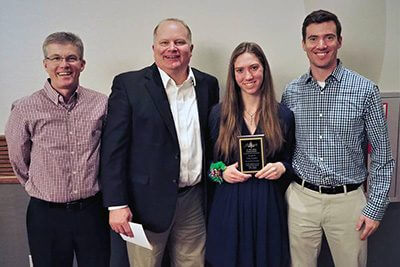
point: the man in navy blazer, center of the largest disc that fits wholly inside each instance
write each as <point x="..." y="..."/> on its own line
<point x="153" y="163"/>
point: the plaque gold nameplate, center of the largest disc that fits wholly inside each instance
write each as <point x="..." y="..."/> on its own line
<point x="251" y="153"/>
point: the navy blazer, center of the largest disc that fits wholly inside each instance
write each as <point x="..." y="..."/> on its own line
<point x="140" y="155"/>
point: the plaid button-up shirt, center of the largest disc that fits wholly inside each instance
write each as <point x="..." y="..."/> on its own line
<point x="54" y="146"/>
<point x="333" y="126"/>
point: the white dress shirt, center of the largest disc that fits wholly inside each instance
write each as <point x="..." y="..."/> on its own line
<point x="183" y="104"/>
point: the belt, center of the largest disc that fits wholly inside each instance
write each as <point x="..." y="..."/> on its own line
<point x="327" y="189"/>
<point x="182" y="190"/>
<point x="79" y="204"/>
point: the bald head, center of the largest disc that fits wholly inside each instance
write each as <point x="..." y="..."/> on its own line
<point x="174" y="20"/>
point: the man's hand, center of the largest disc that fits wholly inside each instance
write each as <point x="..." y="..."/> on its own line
<point x="369" y="228"/>
<point x="119" y="221"/>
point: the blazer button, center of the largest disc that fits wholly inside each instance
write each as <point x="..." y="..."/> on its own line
<point x="177" y="156"/>
<point x="174" y="181"/>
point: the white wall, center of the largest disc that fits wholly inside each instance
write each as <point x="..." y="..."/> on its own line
<point x="118" y="37"/>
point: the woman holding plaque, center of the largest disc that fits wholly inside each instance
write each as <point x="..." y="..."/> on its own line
<point x="247" y="222"/>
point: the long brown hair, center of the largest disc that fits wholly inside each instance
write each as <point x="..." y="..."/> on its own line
<point x="232" y="107"/>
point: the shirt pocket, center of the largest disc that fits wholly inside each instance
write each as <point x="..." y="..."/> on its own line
<point x="88" y="132"/>
<point x="346" y="118"/>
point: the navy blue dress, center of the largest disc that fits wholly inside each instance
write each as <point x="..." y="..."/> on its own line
<point x="247" y="222"/>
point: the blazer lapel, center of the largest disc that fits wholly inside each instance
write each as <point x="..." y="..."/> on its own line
<point x="157" y="92"/>
<point x="202" y="101"/>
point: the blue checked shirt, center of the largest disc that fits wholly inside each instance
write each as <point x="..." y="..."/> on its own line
<point x="333" y="126"/>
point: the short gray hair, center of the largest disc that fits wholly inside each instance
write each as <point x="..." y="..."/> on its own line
<point x="63" y="38"/>
<point x="173" y="20"/>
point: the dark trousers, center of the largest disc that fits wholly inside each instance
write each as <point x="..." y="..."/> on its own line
<point x="56" y="231"/>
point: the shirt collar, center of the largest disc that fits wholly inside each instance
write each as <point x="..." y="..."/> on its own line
<point x="166" y="79"/>
<point x="55" y="96"/>
<point x="336" y="74"/>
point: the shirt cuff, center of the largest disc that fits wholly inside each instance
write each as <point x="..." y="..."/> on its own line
<point x="375" y="211"/>
<point x="117" y="207"/>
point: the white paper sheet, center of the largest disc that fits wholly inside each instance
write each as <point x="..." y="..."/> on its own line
<point x="139" y="237"/>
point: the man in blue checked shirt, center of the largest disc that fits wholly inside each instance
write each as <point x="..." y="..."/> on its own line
<point x="337" y="113"/>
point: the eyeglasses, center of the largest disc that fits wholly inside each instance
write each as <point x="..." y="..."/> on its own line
<point x="58" y="59"/>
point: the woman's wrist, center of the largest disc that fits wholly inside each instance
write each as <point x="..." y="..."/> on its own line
<point x="216" y="172"/>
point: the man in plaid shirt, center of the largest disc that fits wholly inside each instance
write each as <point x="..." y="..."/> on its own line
<point x="53" y="139"/>
<point x="337" y="112"/>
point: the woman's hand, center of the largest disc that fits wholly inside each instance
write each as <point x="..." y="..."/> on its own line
<point x="233" y="175"/>
<point x="271" y="171"/>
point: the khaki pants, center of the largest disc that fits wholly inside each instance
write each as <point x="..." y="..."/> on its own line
<point x="310" y="213"/>
<point x="185" y="237"/>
